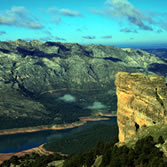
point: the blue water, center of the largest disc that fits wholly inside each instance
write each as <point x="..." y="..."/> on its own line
<point x="23" y="141"/>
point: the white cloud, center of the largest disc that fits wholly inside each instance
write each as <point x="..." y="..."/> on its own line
<point x="124" y="10"/>
<point x="97" y="105"/>
<point x="65" y="12"/>
<point x="19" y="16"/>
<point x="68" y="98"/>
<point x="68" y="12"/>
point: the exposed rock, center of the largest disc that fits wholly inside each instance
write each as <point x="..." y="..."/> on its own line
<point x="98" y="161"/>
<point x="56" y="163"/>
<point x="142" y="101"/>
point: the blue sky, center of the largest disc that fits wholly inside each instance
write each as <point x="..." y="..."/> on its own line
<point x="108" y="22"/>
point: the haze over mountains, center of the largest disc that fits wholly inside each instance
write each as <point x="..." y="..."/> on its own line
<point x="44" y="83"/>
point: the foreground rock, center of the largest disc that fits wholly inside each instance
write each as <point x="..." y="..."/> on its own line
<point x="142" y="102"/>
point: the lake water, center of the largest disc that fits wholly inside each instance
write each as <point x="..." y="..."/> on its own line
<point x="23" y="141"/>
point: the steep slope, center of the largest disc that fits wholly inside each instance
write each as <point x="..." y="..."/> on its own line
<point x="142" y="102"/>
<point x="52" y="83"/>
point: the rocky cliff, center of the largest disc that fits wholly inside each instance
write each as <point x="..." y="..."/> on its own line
<point x="142" y="101"/>
<point x="52" y="82"/>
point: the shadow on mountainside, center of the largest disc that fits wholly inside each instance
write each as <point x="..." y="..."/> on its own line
<point x="158" y="68"/>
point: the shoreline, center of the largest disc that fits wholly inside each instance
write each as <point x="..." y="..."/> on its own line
<point x="39" y="150"/>
<point x="82" y="121"/>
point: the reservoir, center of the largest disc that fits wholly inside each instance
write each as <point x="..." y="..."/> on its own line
<point x="22" y="141"/>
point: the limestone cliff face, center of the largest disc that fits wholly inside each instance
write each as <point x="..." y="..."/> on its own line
<point x="142" y="101"/>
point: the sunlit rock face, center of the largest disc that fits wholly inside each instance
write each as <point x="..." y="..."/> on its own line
<point x="142" y="101"/>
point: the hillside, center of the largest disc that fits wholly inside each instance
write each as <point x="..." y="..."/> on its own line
<point x="44" y="83"/>
<point x="141" y="118"/>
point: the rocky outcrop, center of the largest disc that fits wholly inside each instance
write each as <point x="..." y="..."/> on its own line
<point x="142" y="101"/>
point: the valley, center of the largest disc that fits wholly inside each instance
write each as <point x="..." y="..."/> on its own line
<point x="52" y="92"/>
<point x="53" y="83"/>
<point x="26" y="143"/>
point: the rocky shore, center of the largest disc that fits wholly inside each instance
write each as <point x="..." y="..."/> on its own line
<point x="39" y="150"/>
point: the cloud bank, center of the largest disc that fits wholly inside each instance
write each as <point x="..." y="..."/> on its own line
<point x="123" y="10"/>
<point x="20" y="17"/>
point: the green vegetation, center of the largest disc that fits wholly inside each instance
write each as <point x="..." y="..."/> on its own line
<point x="144" y="154"/>
<point x="32" y="160"/>
<point x="10" y="123"/>
<point x="35" y="75"/>
<point x="20" y="111"/>
<point x="63" y="112"/>
<point x="84" y="140"/>
<point x="155" y="131"/>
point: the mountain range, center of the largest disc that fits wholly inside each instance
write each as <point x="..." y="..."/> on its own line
<point x="57" y="83"/>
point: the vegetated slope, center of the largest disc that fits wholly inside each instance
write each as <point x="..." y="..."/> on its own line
<point x="155" y="131"/>
<point x="84" y="140"/>
<point x="53" y="83"/>
<point x="35" y="160"/>
<point x="144" y="153"/>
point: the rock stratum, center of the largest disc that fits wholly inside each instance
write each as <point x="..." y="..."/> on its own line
<point x="142" y="102"/>
<point x="55" y="83"/>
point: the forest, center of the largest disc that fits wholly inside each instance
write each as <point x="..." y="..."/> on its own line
<point x="144" y="154"/>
